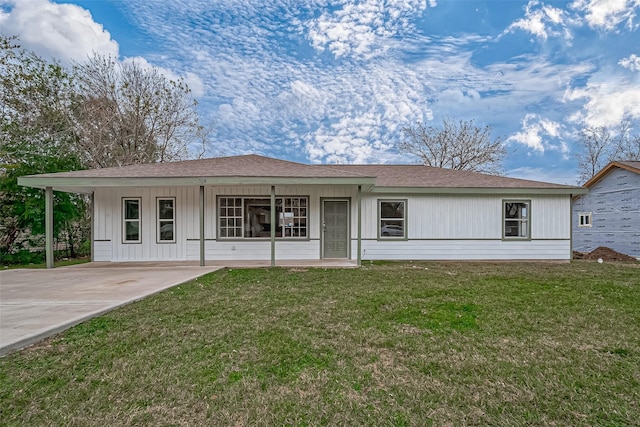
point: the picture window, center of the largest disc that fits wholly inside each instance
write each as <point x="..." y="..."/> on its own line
<point x="250" y="217"/>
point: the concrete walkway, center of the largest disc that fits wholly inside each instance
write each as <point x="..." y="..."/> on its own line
<point x="35" y="304"/>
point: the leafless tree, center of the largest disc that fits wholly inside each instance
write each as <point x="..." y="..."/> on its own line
<point x="600" y="145"/>
<point x="458" y="145"/>
<point x="126" y="113"/>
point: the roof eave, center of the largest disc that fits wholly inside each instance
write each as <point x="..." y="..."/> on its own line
<point x="482" y="190"/>
<point x="85" y="185"/>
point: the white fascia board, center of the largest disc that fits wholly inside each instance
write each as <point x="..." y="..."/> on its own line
<point x="83" y="184"/>
<point x="458" y="190"/>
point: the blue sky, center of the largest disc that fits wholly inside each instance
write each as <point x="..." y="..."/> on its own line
<point x="326" y="81"/>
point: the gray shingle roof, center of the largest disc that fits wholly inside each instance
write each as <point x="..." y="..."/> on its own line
<point x="431" y="177"/>
<point x="236" y="166"/>
<point x="254" y="166"/>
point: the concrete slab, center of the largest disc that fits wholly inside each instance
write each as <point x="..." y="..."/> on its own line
<point x="35" y="304"/>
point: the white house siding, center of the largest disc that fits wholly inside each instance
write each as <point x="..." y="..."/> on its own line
<point x="108" y="224"/>
<point x="614" y="203"/>
<point x="414" y="249"/>
<point x="438" y="226"/>
<point x="108" y="244"/>
<point x="454" y="227"/>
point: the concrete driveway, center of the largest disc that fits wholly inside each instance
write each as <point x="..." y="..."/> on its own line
<point x="35" y="304"/>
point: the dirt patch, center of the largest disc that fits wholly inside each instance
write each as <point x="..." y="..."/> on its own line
<point x="604" y="253"/>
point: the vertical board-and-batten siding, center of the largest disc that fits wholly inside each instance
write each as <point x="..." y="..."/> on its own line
<point x="108" y="224"/>
<point x="469" y="216"/>
<point x="438" y="226"/>
<point x="614" y="203"/>
<point x="450" y="227"/>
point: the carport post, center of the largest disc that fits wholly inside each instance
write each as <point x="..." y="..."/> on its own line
<point x="359" y="197"/>
<point x="273" y="226"/>
<point x="202" y="226"/>
<point x="48" y="225"/>
<point x="93" y="223"/>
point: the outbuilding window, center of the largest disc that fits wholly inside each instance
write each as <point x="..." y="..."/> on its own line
<point x="166" y="220"/>
<point x="392" y="215"/>
<point x="517" y="221"/>
<point x="131" y="220"/>
<point x="584" y="219"/>
<point x="250" y="217"/>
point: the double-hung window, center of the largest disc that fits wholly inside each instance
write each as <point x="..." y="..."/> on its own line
<point x="250" y="217"/>
<point x="516" y="219"/>
<point x="131" y="220"/>
<point x="584" y="219"/>
<point x="392" y="215"/>
<point x="166" y="220"/>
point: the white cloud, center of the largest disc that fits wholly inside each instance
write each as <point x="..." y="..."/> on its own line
<point x="353" y="139"/>
<point x="62" y="31"/>
<point x="68" y="33"/>
<point x="608" y="14"/>
<point x="359" y="28"/>
<point x="543" y="21"/>
<point x="538" y="133"/>
<point x="606" y="103"/>
<point x="632" y="62"/>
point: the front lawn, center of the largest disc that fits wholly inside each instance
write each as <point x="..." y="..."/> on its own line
<point x="390" y="344"/>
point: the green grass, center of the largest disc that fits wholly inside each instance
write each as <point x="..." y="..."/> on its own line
<point x="389" y="344"/>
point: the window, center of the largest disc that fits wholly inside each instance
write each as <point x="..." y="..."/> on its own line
<point x="516" y="219"/>
<point x="584" y="219"/>
<point x="250" y="217"/>
<point x="131" y="220"/>
<point x="166" y="220"/>
<point x="392" y="214"/>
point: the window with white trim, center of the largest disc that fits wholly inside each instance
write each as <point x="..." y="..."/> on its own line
<point x="166" y="220"/>
<point x="250" y="217"/>
<point x="131" y="220"/>
<point x="584" y="219"/>
<point x="392" y="215"/>
<point x="517" y="221"/>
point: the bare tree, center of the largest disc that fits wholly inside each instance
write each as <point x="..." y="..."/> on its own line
<point x="600" y="145"/>
<point x="126" y="113"/>
<point x="455" y="145"/>
<point x="630" y="149"/>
